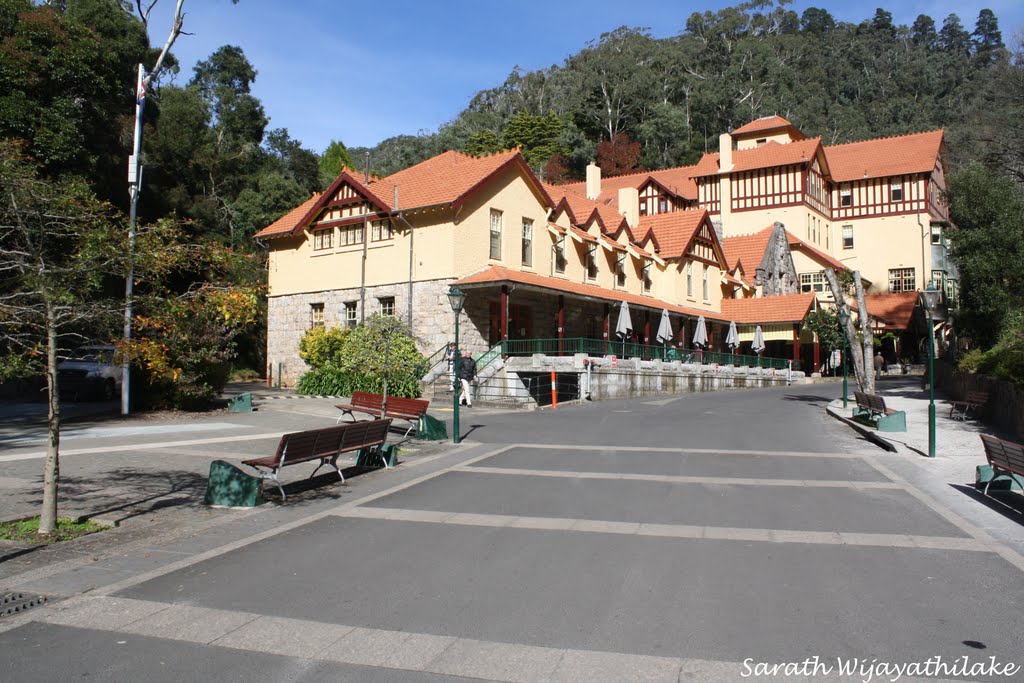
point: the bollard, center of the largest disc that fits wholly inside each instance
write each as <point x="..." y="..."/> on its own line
<point x="554" y="392"/>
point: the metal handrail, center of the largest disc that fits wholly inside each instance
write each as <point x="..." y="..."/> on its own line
<point x="601" y="347"/>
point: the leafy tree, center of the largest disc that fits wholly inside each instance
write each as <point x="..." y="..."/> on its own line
<point x="618" y="155"/>
<point x="923" y="33"/>
<point x="335" y="159"/>
<point x="538" y="136"/>
<point x="825" y="325"/>
<point x="953" y="38"/>
<point x="987" y="39"/>
<point x="58" y="244"/>
<point x="987" y="246"/>
<point x="882" y="21"/>
<point x="816" y="21"/>
<point x="483" y="143"/>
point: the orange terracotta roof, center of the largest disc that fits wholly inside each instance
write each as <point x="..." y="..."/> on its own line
<point x="447" y="178"/>
<point x="495" y="274"/>
<point x="789" y="308"/>
<point x="286" y="223"/>
<point x="581" y="210"/>
<point x="764" y="124"/>
<point x="672" y="232"/>
<point x="765" y="156"/>
<point x="729" y="277"/>
<point x="609" y="243"/>
<point x="676" y="180"/>
<point x="816" y="254"/>
<point x="882" y="157"/>
<point x="557" y="228"/>
<point x="583" y="235"/>
<point x="894" y="308"/>
<point x="747" y="249"/>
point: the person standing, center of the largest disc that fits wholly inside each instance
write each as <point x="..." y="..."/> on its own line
<point x="467" y="374"/>
<point x="451" y="355"/>
<point x="879" y="364"/>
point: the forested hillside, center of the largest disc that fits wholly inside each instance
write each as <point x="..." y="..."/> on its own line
<point x="655" y="103"/>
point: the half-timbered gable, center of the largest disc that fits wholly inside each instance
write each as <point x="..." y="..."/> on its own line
<point x="764" y="130"/>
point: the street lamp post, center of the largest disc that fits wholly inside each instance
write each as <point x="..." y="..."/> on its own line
<point x="846" y="387"/>
<point x="456" y="298"/>
<point x="931" y="300"/>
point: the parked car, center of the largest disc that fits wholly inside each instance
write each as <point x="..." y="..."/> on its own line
<point x="90" y="372"/>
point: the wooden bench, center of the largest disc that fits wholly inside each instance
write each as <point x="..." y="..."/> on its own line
<point x="325" y="445"/>
<point x="1005" y="457"/>
<point x="873" y="408"/>
<point x="409" y="409"/>
<point x="973" y="401"/>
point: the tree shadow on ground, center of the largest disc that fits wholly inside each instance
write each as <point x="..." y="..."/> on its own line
<point x="1009" y="504"/>
<point x="809" y="398"/>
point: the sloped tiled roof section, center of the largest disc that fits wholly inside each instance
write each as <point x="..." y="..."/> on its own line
<point x="748" y="249"/>
<point x="495" y="274"/>
<point x="894" y="309"/>
<point x="287" y="223"/>
<point x="581" y="209"/>
<point x="677" y="180"/>
<point x="672" y="231"/>
<point x="765" y="156"/>
<point x="763" y="125"/>
<point x="448" y="178"/>
<point x="882" y="157"/>
<point x="789" y="308"/>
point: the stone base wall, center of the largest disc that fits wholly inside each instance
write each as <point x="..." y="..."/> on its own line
<point x="433" y="323"/>
<point x="1005" y="407"/>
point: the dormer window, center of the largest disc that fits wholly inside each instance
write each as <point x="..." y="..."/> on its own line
<point x="558" y="254"/>
<point x="620" y="270"/>
<point x="845" y="195"/>
<point x="591" y="261"/>
<point x="761" y="142"/>
<point x="646" y="276"/>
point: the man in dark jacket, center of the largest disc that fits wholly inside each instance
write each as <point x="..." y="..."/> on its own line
<point x="467" y="373"/>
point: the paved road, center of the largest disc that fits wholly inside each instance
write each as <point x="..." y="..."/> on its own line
<point x="670" y="539"/>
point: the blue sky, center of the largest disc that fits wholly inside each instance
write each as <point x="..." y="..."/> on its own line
<point x="363" y="72"/>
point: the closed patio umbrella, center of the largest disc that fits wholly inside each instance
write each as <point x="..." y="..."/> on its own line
<point x="624" y="327"/>
<point x="664" y="335"/>
<point x="732" y="339"/>
<point x="758" y="344"/>
<point x="700" y="337"/>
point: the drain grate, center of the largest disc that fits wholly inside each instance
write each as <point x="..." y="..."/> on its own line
<point x="16" y="603"/>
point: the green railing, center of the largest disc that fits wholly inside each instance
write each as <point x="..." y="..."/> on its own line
<point x="488" y="357"/>
<point x="600" y="347"/>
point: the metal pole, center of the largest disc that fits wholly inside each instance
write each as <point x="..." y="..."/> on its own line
<point x="931" y="386"/>
<point x="134" y="189"/>
<point x="846" y="386"/>
<point x="458" y="384"/>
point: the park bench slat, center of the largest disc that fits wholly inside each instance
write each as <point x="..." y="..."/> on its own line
<point x="972" y="402"/>
<point x="410" y="409"/>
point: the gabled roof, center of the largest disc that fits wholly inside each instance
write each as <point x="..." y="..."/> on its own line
<point x="765" y="156"/>
<point x="747" y="249"/>
<point x="816" y="254"/>
<point x="788" y="308"/>
<point x="495" y="274"/>
<point x="672" y="232"/>
<point x="882" y="157"/>
<point x="286" y="223"/>
<point x="582" y="210"/>
<point x="894" y="309"/>
<point x="765" y="124"/>
<point x="449" y="178"/>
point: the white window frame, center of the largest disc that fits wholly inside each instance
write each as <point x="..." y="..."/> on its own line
<point x="706" y="290"/>
<point x="689" y="278"/>
<point x="896" y="186"/>
<point x="384" y="303"/>
<point x="380" y="230"/>
<point x="558" y="260"/>
<point x="527" y="242"/>
<point x="316" y="314"/>
<point x="495" y="235"/>
<point x="812" y="282"/>
<point x="902" y="279"/>
<point x="351" y="309"/>
<point x="845" y="196"/>
<point x="620" y="270"/>
<point x="847" y="237"/>
<point x="323" y="239"/>
<point x="646" y="276"/>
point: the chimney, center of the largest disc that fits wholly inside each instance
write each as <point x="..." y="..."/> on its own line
<point x="593" y="181"/>
<point x="724" y="152"/>
<point x="629" y="205"/>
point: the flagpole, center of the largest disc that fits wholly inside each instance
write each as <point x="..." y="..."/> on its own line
<point x="134" y="189"/>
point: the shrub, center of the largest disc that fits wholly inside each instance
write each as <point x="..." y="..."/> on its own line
<point x="972" y="360"/>
<point x="322" y="346"/>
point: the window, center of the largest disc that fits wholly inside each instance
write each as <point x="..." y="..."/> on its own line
<point x="705" y="276"/>
<point x="847" y="237"/>
<point x="762" y="141"/>
<point x="527" y="242"/>
<point x="558" y="254"/>
<point x="643" y="208"/>
<point x="620" y="270"/>
<point x="689" y="278"/>
<point x="662" y="205"/>
<point x="350" y="314"/>
<point x="938" y="278"/>
<point x="647" y="276"/>
<point x="495" y="234"/>
<point x="902" y="280"/>
<point x="316" y="315"/>
<point x="323" y="239"/>
<point x="936" y="233"/>
<point x="591" y="261"/>
<point x="812" y="282"/>
<point x="845" y="195"/>
<point x="352" y="235"/>
<point x="380" y="230"/>
<point x="896" y="191"/>
<point x="387" y="305"/>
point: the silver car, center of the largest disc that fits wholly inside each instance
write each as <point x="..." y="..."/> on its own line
<point x="90" y="372"/>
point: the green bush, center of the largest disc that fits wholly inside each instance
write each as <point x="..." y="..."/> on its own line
<point x="1006" y="359"/>
<point x="361" y="358"/>
<point x="971" y="361"/>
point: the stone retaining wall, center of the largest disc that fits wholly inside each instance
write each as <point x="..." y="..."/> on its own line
<point x="1005" y="408"/>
